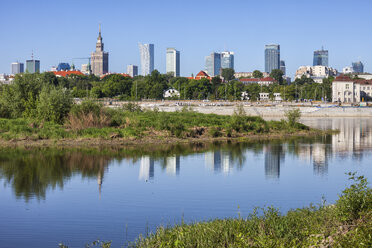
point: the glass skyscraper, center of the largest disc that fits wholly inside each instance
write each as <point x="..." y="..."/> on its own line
<point x="213" y="64"/>
<point x="173" y="62"/>
<point x="282" y="67"/>
<point x="147" y="58"/>
<point x="227" y="60"/>
<point x="32" y="66"/>
<point x="17" y="68"/>
<point x="358" y="67"/>
<point x="272" y="57"/>
<point x="320" y="57"/>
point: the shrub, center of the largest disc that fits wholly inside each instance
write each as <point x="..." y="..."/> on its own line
<point x="132" y="107"/>
<point x="215" y="132"/>
<point x="356" y="199"/>
<point x="53" y="104"/>
<point x="293" y="116"/>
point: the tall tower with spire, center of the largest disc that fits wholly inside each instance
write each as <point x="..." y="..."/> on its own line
<point x="99" y="57"/>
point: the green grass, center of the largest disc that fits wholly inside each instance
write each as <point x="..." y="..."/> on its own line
<point x="120" y="123"/>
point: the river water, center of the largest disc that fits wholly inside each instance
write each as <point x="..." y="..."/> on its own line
<point x="79" y="195"/>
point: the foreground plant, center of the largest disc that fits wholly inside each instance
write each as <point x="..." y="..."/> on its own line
<point x="348" y="223"/>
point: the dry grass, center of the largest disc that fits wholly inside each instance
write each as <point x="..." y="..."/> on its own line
<point x="87" y="120"/>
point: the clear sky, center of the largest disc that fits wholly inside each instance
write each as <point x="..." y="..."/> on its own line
<point x="58" y="31"/>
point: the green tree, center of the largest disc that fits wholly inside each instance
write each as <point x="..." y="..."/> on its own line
<point x="228" y="74"/>
<point x="257" y="74"/>
<point x="277" y="75"/>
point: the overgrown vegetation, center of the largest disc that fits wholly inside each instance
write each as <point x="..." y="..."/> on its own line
<point x="348" y="223"/>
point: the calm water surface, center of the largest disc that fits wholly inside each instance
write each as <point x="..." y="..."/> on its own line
<point x="77" y="196"/>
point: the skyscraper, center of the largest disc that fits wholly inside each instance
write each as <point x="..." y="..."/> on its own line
<point x="63" y="67"/>
<point x="173" y="62"/>
<point x="147" y="58"/>
<point x="227" y="60"/>
<point x="282" y="67"/>
<point x="358" y="67"/>
<point x="320" y="57"/>
<point x="99" y="58"/>
<point x="32" y="66"/>
<point x="17" y="68"/>
<point x="213" y="64"/>
<point x="132" y="70"/>
<point x="272" y="57"/>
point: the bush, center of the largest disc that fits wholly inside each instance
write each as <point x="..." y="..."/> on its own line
<point x="132" y="107"/>
<point x="355" y="200"/>
<point x="215" y="132"/>
<point x="293" y="116"/>
<point x="53" y="104"/>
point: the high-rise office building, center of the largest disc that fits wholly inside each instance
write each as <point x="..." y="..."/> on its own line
<point x="282" y="67"/>
<point x="132" y="70"/>
<point x="358" y="67"/>
<point x="272" y="57"/>
<point x="173" y="62"/>
<point x="320" y="57"/>
<point x="17" y="68"/>
<point x="213" y="64"/>
<point x="147" y="58"/>
<point x="100" y="63"/>
<point x="32" y="66"/>
<point x="227" y="60"/>
<point x="85" y="69"/>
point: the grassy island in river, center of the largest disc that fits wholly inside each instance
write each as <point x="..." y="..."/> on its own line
<point x="92" y="122"/>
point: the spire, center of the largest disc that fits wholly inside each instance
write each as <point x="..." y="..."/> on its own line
<point x="99" y="36"/>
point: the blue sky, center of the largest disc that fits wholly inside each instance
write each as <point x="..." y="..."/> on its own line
<point x="58" y="31"/>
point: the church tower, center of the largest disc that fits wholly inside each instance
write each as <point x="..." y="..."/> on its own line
<point x="99" y="57"/>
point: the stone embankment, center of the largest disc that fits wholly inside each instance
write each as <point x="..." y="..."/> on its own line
<point x="316" y="109"/>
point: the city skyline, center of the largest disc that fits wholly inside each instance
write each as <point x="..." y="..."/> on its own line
<point x="51" y="48"/>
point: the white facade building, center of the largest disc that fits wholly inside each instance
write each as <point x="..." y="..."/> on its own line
<point x="264" y="96"/>
<point x="173" y="62"/>
<point x="348" y="90"/>
<point x="171" y="93"/>
<point x="147" y="58"/>
<point x="347" y="70"/>
<point x="317" y="72"/>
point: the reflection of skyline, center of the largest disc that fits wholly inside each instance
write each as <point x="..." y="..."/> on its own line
<point x="219" y="160"/>
<point x="272" y="160"/>
<point x="146" y="168"/>
<point x="173" y="165"/>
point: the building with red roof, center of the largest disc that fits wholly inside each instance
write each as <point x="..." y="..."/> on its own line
<point x="348" y="90"/>
<point x="66" y="73"/>
<point x="200" y="75"/>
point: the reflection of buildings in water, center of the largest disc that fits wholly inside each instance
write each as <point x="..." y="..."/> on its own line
<point x="320" y="161"/>
<point x="146" y="168"/>
<point x="355" y="135"/>
<point x="272" y="161"/>
<point x="317" y="153"/>
<point x="213" y="160"/>
<point x="227" y="163"/>
<point x="173" y="165"/>
<point x="99" y="181"/>
<point x="219" y="160"/>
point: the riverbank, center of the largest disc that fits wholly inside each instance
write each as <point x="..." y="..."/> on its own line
<point x="94" y="125"/>
<point x="347" y="223"/>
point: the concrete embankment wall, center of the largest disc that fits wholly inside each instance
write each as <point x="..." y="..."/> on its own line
<point x="280" y="111"/>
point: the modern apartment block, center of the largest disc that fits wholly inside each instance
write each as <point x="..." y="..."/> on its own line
<point x="320" y="57"/>
<point x="272" y="57"/>
<point x="132" y="70"/>
<point x="147" y="58"/>
<point x="17" y="68"/>
<point x="100" y="63"/>
<point x="32" y="66"/>
<point x="173" y="62"/>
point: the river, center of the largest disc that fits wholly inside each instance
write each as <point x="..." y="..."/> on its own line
<point x="74" y="196"/>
